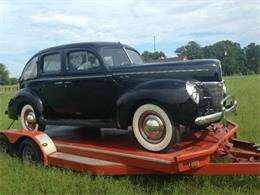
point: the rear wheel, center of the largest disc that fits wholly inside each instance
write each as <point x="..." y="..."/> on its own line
<point x="153" y="128"/>
<point x="29" y="120"/>
<point x="30" y="151"/>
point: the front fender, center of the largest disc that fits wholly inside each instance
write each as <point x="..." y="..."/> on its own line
<point x="168" y="93"/>
<point x="24" y="96"/>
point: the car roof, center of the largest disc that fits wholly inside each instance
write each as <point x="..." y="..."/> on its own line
<point x="96" y="45"/>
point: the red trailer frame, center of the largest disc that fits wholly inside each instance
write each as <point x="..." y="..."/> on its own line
<point x="211" y="151"/>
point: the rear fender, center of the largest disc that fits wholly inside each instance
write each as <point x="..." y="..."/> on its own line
<point x="24" y="96"/>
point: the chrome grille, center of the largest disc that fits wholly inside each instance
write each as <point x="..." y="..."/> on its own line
<point x="212" y="94"/>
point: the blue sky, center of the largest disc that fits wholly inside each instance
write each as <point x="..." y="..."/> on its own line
<point x="29" y="26"/>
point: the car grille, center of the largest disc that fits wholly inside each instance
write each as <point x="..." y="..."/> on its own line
<point x="211" y="96"/>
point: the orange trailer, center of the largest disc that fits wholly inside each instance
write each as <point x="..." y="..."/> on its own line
<point x="214" y="150"/>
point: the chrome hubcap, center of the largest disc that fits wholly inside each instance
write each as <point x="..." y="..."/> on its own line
<point x="30" y="120"/>
<point x="154" y="124"/>
<point x="152" y="128"/>
<point x="31" y="117"/>
<point x="28" y="154"/>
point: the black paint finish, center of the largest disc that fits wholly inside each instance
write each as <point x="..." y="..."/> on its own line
<point x="113" y="92"/>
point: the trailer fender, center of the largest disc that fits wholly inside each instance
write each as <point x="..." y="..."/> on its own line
<point x="43" y="141"/>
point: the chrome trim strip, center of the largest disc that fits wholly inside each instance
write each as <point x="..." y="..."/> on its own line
<point x="116" y="74"/>
<point x="159" y="72"/>
<point x="47" y="144"/>
<point x="71" y="77"/>
<point x="116" y="154"/>
<point x="81" y="159"/>
<point x="219" y="115"/>
<point x="209" y="82"/>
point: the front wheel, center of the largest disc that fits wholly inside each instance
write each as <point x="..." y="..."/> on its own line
<point x="28" y="119"/>
<point x="153" y="128"/>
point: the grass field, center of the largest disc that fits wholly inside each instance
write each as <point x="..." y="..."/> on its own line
<point x="21" y="178"/>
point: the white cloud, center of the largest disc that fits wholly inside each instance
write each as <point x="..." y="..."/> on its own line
<point x="28" y="26"/>
<point x="61" y="19"/>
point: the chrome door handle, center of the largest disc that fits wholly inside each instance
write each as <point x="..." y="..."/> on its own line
<point x="124" y="77"/>
<point x="67" y="82"/>
<point x="58" y="83"/>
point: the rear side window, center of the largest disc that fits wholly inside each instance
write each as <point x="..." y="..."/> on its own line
<point x="81" y="61"/>
<point x="30" y="70"/>
<point x="51" y="63"/>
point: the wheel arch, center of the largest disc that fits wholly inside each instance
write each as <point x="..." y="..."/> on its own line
<point x="23" y="97"/>
<point x="166" y="93"/>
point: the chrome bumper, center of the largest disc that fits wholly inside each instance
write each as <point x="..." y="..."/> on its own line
<point x="219" y="115"/>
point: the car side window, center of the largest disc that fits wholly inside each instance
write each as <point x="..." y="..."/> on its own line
<point x="81" y="61"/>
<point x="51" y="63"/>
<point x="30" y="70"/>
<point x="115" y="57"/>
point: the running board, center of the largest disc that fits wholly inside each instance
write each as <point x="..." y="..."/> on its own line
<point x="92" y="123"/>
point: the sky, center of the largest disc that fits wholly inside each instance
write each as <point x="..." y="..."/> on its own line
<point x="28" y="26"/>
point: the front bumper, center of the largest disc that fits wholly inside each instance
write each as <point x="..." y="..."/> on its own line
<point x="202" y="120"/>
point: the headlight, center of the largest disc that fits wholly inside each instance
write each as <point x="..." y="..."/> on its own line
<point x="193" y="92"/>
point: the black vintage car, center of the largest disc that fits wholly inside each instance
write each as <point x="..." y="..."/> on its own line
<point x="106" y="84"/>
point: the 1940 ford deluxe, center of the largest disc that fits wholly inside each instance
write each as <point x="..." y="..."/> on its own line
<point x="106" y="84"/>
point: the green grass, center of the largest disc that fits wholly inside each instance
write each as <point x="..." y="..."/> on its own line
<point x="21" y="178"/>
<point x="246" y="89"/>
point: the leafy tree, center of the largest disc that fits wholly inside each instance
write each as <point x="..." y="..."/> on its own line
<point x="13" y="81"/>
<point x="230" y="54"/>
<point x="4" y="75"/>
<point x="153" y="55"/>
<point x="252" y="52"/>
<point x="192" y="51"/>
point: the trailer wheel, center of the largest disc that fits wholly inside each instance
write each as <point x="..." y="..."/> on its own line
<point x="28" y="119"/>
<point x="5" y="145"/>
<point x="30" y="151"/>
<point x="153" y="128"/>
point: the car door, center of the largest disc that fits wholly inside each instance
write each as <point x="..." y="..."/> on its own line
<point x="50" y="84"/>
<point x="86" y="83"/>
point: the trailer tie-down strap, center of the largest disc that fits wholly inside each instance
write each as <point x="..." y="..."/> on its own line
<point x="11" y="124"/>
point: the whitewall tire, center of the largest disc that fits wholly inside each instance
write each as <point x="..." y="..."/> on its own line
<point x="28" y="119"/>
<point x="153" y="128"/>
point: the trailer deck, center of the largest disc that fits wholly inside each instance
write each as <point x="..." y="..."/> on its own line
<point x="115" y="152"/>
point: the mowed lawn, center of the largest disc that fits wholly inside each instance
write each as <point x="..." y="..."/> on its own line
<point x="21" y="178"/>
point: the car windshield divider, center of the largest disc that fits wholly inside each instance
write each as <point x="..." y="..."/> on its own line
<point x="128" y="55"/>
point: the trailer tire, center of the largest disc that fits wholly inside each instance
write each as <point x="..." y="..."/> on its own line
<point x="30" y="151"/>
<point x="5" y="145"/>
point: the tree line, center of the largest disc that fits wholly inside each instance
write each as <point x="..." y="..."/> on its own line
<point x="234" y="59"/>
<point x="5" y="79"/>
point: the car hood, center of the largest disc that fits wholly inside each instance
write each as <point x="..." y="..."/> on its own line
<point x="205" y="70"/>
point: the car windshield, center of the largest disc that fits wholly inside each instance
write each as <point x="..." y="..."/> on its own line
<point x="114" y="57"/>
<point x="134" y="56"/>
